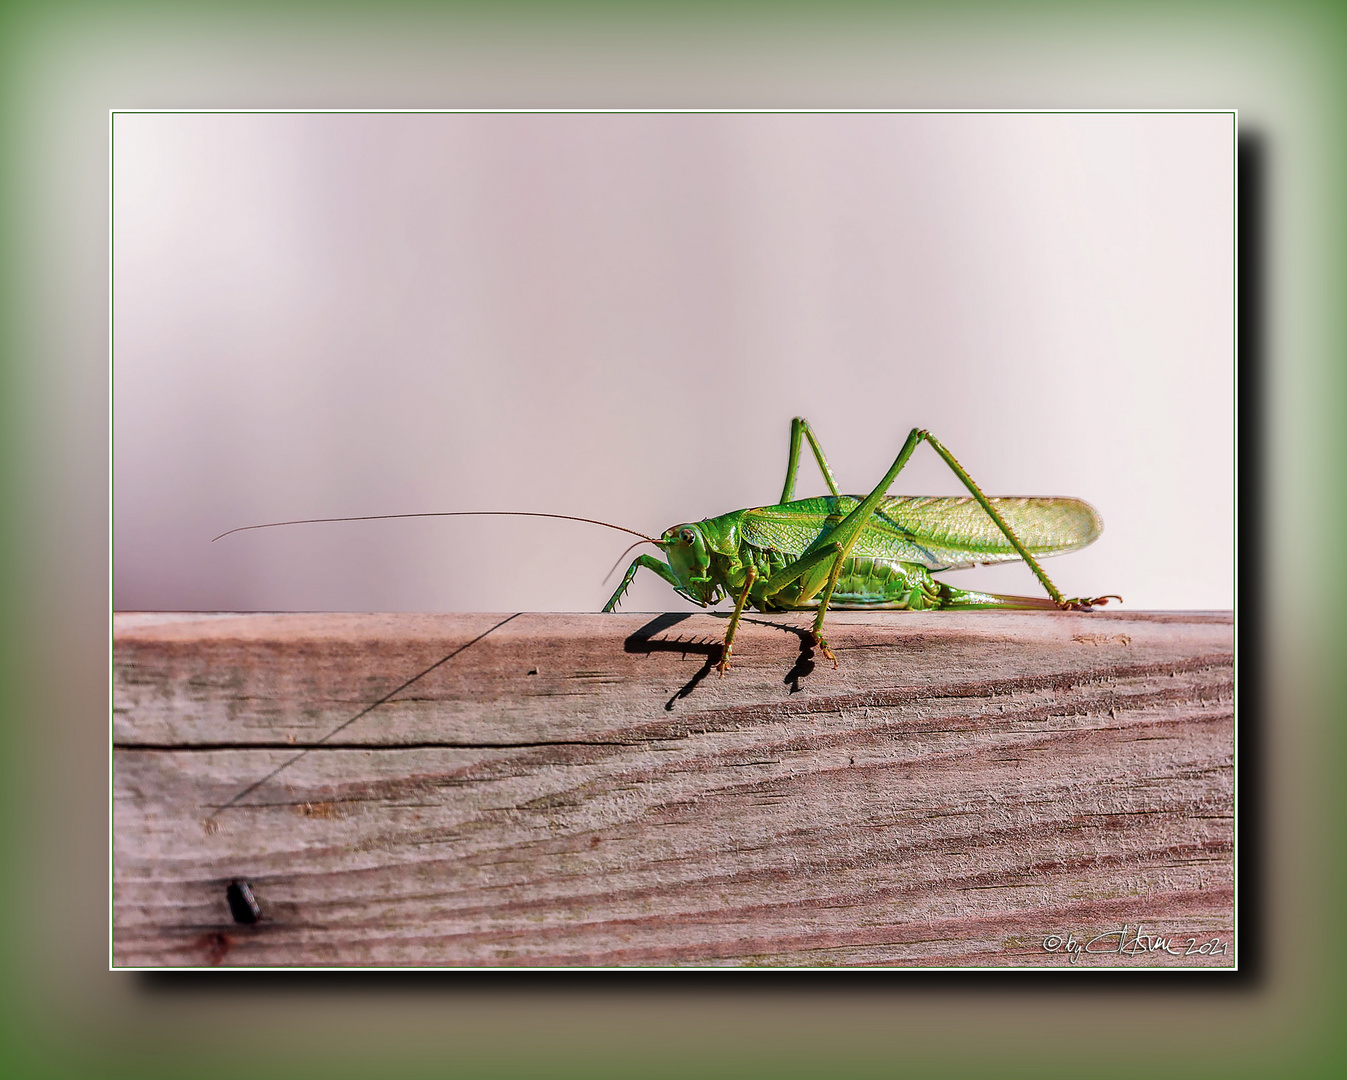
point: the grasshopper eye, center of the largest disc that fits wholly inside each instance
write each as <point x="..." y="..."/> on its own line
<point x="686" y="536"/>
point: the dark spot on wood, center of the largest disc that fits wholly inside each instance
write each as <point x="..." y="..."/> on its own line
<point x="215" y="945"/>
<point x="242" y="903"/>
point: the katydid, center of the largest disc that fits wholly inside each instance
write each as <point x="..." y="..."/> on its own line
<point x="847" y="551"/>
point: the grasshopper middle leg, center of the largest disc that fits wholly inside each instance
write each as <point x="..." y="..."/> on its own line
<point x="800" y="427"/>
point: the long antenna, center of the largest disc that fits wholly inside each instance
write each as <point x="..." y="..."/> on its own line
<point x="450" y="513"/>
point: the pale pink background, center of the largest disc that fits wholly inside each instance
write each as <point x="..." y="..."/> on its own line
<point x="617" y="316"/>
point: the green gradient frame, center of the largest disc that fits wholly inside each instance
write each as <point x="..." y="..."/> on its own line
<point x="63" y="66"/>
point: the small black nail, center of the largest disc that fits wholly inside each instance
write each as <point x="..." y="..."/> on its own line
<point x="242" y="903"/>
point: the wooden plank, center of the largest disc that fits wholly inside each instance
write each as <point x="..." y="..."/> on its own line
<point x="544" y="789"/>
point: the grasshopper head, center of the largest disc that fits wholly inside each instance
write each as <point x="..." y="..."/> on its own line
<point x="685" y="548"/>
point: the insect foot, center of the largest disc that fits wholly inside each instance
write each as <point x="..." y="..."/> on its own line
<point x="724" y="664"/>
<point x="1081" y="604"/>
<point x="823" y="648"/>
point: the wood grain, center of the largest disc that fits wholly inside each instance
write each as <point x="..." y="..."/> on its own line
<point x="544" y="789"/>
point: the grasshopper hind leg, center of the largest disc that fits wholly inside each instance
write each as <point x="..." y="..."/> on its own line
<point x="954" y="599"/>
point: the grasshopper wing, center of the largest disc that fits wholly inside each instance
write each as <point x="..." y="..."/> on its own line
<point x="938" y="532"/>
<point x="957" y="532"/>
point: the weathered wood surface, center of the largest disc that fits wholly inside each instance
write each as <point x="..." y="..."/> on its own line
<point x="583" y="789"/>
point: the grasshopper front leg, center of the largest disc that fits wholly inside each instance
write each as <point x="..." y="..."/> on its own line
<point x="650" y="563"/>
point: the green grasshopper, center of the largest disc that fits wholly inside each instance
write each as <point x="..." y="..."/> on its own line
<point x="844" y="551"/>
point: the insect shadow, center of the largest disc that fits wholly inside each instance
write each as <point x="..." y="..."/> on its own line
<point x="804" y="663"/>
<point x="643" y="641"/>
